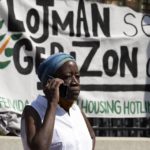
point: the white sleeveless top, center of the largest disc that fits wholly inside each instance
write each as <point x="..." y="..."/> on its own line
<point x="70" y="130"/>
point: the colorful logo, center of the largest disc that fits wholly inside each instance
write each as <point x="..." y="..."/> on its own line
<point x="4" y="49"/>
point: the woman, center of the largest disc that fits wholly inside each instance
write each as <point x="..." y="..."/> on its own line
<point x="54" y="121"/>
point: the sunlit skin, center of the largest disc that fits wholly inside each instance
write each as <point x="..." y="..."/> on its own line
<point x="39" y="134"/>
<point x="67" y="74"/>
<point x="70" y="75"/>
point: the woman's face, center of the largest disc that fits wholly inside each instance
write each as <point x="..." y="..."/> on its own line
<point x="69" y="73"/>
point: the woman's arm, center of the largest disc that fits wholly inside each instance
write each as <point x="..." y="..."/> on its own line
<point x="39" y="136"/>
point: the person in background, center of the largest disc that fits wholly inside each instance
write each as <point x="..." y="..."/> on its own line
<point x="54" y="121"/>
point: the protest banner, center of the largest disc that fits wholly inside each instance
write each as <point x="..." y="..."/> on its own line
<point x="110" y="43"/>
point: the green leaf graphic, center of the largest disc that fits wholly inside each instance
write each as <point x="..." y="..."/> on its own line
<point x="1" y="23"/>
<point x="4" y="64"/>
<point x="2" y="37"/>
<point x="16" y="36"/>
<point x="8" y="52"/>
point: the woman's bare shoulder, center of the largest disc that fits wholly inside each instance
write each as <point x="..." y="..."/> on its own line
<point x="30" y="112"/>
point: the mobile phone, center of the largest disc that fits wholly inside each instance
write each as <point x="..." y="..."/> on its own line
<point x="63" y="89"/>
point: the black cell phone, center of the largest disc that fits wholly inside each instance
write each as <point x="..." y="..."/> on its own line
<point x="63" y="89"/>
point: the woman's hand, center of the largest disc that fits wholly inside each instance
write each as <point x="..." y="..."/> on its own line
<point x="51" y="90"/>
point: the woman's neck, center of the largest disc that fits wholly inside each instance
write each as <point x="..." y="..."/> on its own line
<point x="65" y="104"/>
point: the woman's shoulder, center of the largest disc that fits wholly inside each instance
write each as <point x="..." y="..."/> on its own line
<point x="31" y="115"/>
<point x="29" y="111"/>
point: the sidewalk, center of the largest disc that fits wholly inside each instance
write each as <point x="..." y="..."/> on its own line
<point x="14" y="143"/>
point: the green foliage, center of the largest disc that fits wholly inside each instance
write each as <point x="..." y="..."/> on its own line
<point x="8" y="52"/>
<point x="2" y="37"/>
<point x="4" y="64"/>
<point x="1" y="23"/>
<point x="16" y="36"/>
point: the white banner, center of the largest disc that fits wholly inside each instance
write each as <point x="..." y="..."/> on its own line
<point x="111" y="45"/>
